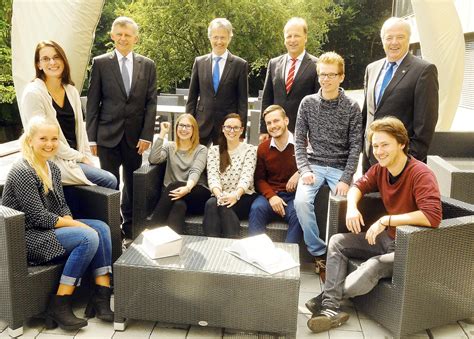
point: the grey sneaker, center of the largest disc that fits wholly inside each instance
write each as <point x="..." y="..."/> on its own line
<point x="326" y="319"/>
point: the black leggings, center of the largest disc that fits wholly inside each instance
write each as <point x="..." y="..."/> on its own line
<point x="172" y="212"/>
<point x="223" y="221"/>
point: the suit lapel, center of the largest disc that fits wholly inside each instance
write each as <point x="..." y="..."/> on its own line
<point x="280" y="70"/>
<point x="114" y="65"/>
<point x="373" y="78"/>
<point x="137" y="64"/>
<point x="208" y="71"/>
<point x="402" y="70"/>
<point x="304" y="64"/>
<point x="227" y="68"/>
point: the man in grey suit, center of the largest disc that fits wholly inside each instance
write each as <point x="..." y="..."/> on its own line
<point x="403" y="86"/>
<point x="121" y="109"/>
<point x="219" y="84"/>
<point x="291" y="76"/>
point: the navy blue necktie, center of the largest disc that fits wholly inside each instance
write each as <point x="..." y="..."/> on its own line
<point x="386" y="80"/>
<point x="215" y="74"/>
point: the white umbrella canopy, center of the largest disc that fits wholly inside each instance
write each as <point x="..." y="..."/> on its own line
<point x="71" y="23"/>
<point x="442" y="43"/>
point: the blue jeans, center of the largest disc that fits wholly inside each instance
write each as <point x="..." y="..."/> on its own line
<point x="86" y="248"/>
<point x="99" y="176"/>
<point x="304" y="205"/>
<point x="261" y="213"/>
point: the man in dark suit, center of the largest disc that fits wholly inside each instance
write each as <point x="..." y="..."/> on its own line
<point x="121" y="109"/>
<point x="403" y="86"/>
<point x="290" y="77"/>
<point x="219" y="84"/>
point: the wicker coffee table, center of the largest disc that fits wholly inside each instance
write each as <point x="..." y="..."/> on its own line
<point x="205" y="286"/>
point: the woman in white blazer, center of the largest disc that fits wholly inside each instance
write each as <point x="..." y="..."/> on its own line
<point x="52" y="94"/>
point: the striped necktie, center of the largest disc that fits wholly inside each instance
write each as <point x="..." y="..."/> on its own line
<point x="291" y="76"/>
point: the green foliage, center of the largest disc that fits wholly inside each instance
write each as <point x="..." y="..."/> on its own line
<point x="356" y="36"/>
<point x="7" y="91"/>
<point x="173" y="33"/>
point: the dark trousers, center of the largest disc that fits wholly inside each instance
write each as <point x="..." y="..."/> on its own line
<point x="110" y="160"/>
<point x="221" y="221"/>
<point x="173" y="212"/>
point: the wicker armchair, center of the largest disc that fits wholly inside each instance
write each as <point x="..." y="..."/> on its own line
<point x="25" y="290"/>
<point x="147" y="184"/>
<point x="433" y="268"/>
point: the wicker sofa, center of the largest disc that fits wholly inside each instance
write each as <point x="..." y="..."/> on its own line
<point x="147" y="184"/>
<point x="433" y="268"/>
<point x="25" y="290"/>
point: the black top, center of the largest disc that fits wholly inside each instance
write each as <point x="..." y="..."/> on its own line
<point x="66" y="119"/>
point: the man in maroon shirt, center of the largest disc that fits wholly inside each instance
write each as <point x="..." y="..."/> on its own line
<point x="410" y="194"/>
<point x="276" y="177"/>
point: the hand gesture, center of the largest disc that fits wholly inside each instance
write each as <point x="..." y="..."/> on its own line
<point x="164" y="128"/>
<point x="179" y="192"/>
<point x="354" y="220"/>
<point x="308" y="178"/>
<point x="374" y="231"/>
<point x="342" y="188"/>
<point x="293" y="182"/>
<point x="278" y="205"/>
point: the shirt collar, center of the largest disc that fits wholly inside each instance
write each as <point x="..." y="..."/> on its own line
<point x="120" y="56"/>
<point x="299" y="57"/>
<point x="398" y="62"/>
<point x="291" y="140"/>
<point x="223" y="56"/>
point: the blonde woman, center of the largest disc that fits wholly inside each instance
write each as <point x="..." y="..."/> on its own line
<point x="52" y="94"/>
<point x="33" y="186"/>
<point x="185" y="181"/>
<point x="230" y="170"/>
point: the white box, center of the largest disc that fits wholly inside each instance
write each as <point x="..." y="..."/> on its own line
<point x="161" y="242"/>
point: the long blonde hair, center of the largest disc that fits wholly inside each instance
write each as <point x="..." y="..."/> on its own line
<point x="35" y="124"/>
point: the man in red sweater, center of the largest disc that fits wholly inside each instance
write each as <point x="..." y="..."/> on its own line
<point x="410" y="194"/>
<point x="276" y="177"/>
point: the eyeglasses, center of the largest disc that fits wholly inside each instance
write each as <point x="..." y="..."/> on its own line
<point x="232" y="128"/>
<point x="185" y="126"/>
<point x="328" y="75"/>
<point x="47" y="60"/>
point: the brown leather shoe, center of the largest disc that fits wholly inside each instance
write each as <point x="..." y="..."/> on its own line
<point x="320" y="268"/>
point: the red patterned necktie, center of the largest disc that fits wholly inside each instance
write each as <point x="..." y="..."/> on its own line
<point x="291" y="76"/>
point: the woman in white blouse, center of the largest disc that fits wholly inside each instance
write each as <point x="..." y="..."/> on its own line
<point x="230" y="171"/>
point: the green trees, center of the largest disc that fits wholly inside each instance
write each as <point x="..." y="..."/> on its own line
<point x="174" y="32"/>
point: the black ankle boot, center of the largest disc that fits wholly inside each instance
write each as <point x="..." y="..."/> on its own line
<point x="99" y="304"/>
<point x="59" y="313"/>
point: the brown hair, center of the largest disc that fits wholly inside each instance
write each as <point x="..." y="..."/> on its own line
<point x="194" y="136"/>
<point x="391" y="126"/>
<point x="273" y="108"/>
<point x="66" y="76"/>
<point x="224" y="157"/>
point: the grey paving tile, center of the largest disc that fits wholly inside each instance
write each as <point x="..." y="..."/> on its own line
<point x="341" y="334"/>
<point x="353" y="323"/>
<point x="374" y="330"/>
<point x="453" y="331"/>
<point x="468" y="329"/>
<point x="302" y="299"/>
<point x="228" y="334"/>
<point x="167" y="332"/>
<point x="205" y="332"/>
<point x="95" y="330"/>
<point x="53" y="336"/>
<point x="310" y="282"/>
<point x="59" y="331"/>
<point x="136" y="329"/>
<point x="3" y="325"/>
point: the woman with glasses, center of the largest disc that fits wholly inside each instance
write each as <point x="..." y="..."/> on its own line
<point x="33" y="186"/>
<point x="230" y="171"/>
<point x="52" y="95"/>
<point x="185" y="182"/>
